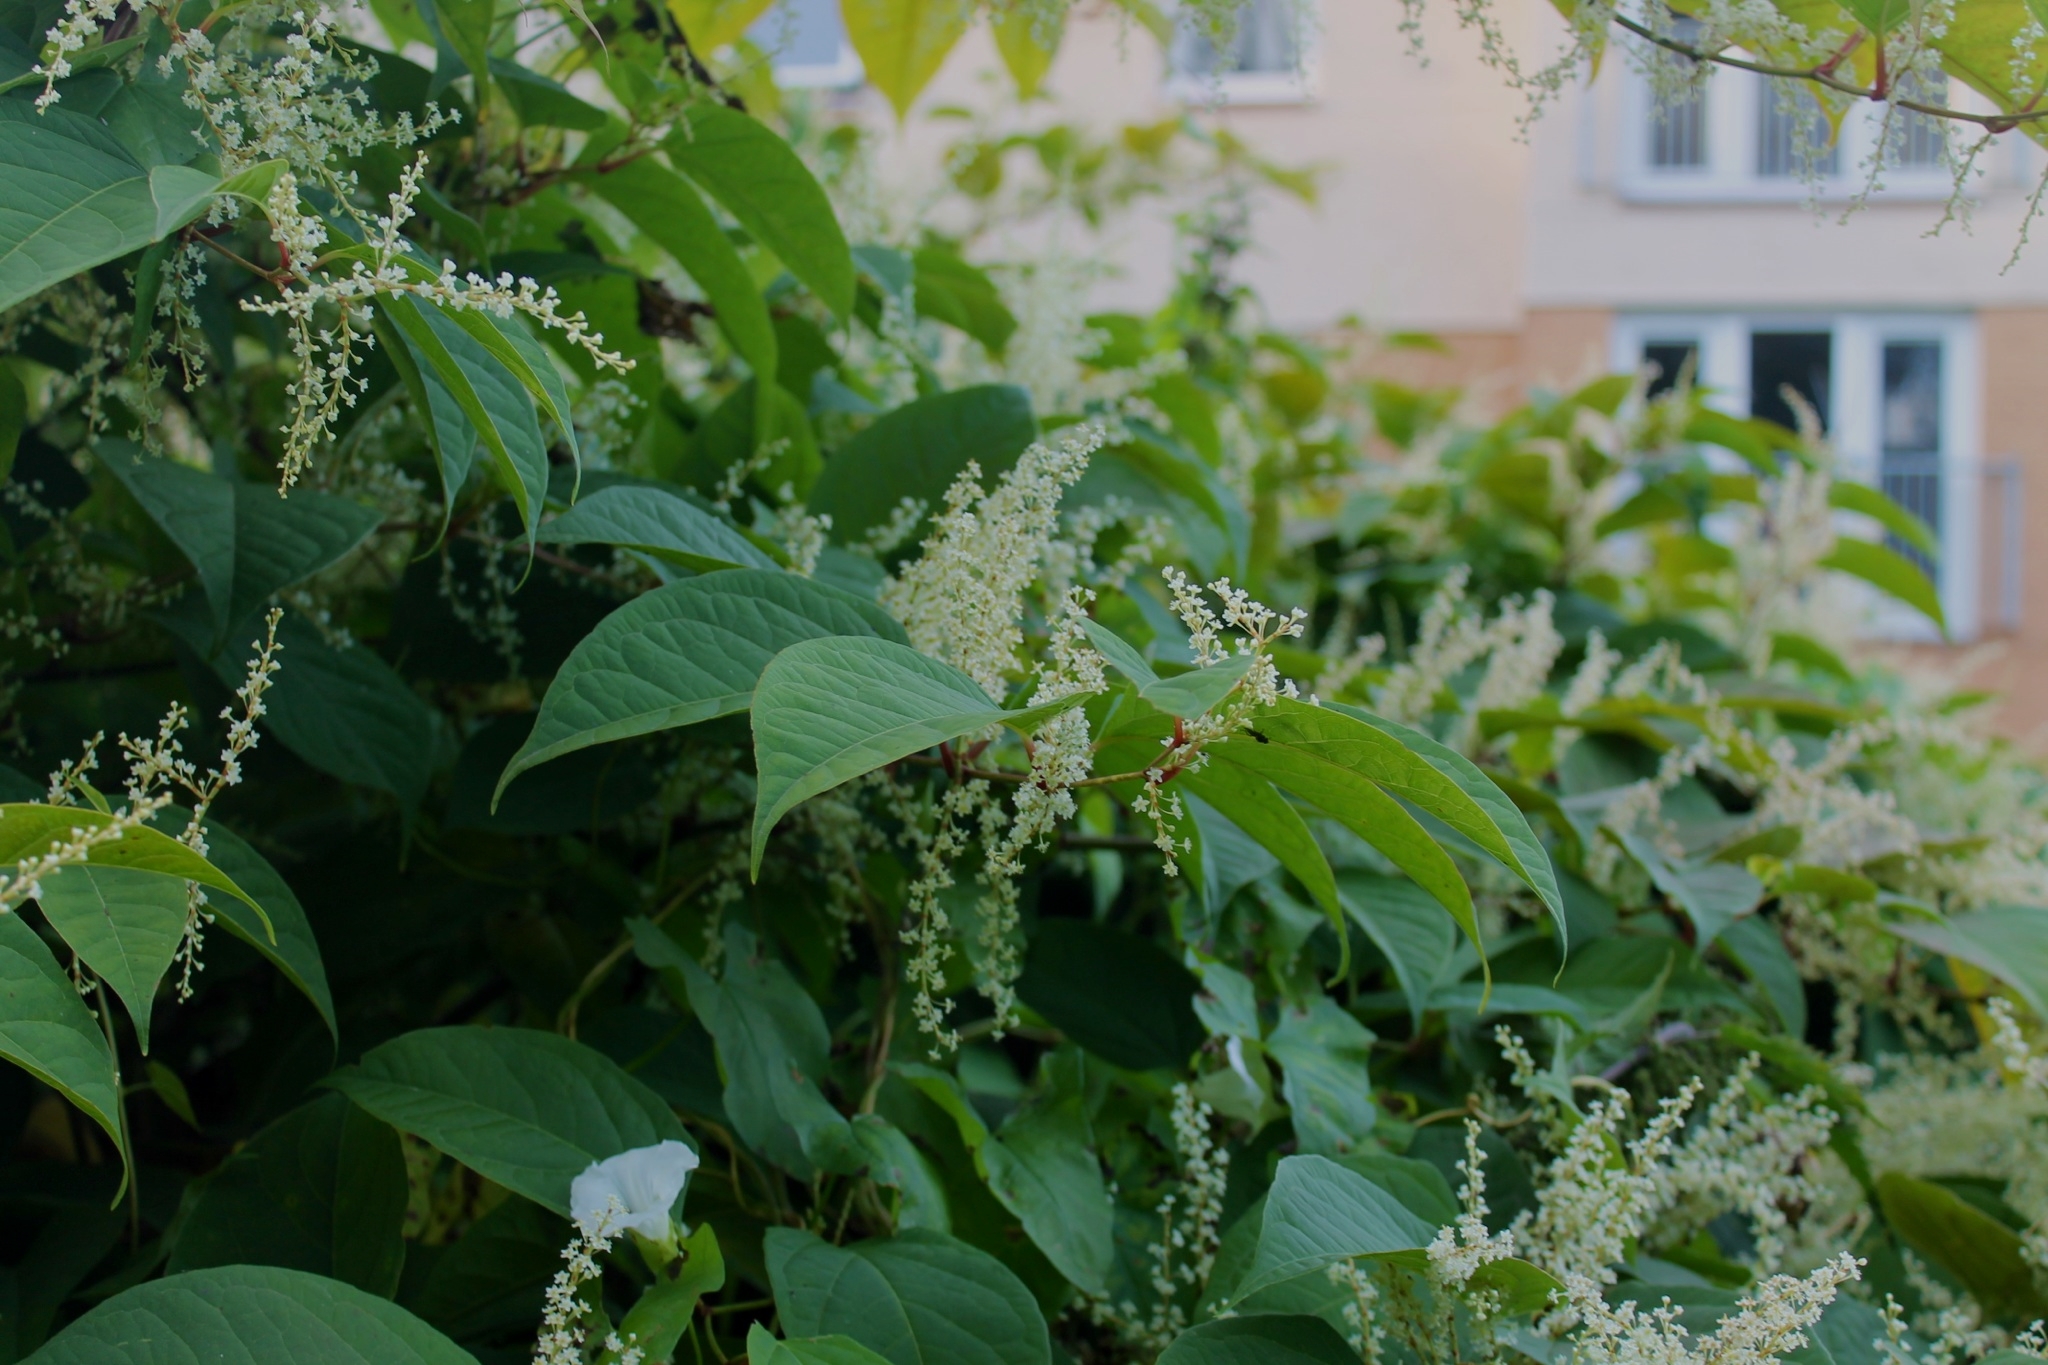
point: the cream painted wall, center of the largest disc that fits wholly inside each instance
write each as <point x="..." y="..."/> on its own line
<point x="1588" y="246"/>
<point x="1435" y="216"/>
<point x="1422" y="215"/>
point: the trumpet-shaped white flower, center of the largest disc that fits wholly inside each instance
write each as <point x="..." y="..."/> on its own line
<point x="644" y="1183"/>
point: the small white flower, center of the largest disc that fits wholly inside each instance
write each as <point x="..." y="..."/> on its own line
<point x="644" y="1182"/>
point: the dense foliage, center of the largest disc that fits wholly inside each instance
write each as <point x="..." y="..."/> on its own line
<point x="760" y="807"/>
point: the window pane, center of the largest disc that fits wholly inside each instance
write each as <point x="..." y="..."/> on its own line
<point x="1912" y="397"/>
<point x="1917" y="141"/>
<point x="1678" y="128"/>
<point x="1792" y="134"/>
<point x="1673" y="360"/>
<point x="801" y="33"/>
<point x="1268" y="41"/>
<point x="1910" y="470"/>
<point x="1800" y="361"/>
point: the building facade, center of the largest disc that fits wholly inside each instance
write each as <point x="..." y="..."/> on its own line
<point x="1712" y="231"/>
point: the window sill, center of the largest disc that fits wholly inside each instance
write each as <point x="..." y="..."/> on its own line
<point x="1679" y="188"/>
<point x="1245" y="89"/>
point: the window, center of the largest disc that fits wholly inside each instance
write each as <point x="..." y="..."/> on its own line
<point x="1792" y="133"/>
<point x="1894" y="394"/>
<point x="1674" y="363"/>
<point x="1263" y="60"/>
<point x="1917" y="141"/>
<point x="807" y="41"/>
<point x="1909" y="467"/>
<point x="1678" y="106"/>
<point x="1678" y="128"/>
<point x="1798" y="363"/>
<point x="1733" y="136"/>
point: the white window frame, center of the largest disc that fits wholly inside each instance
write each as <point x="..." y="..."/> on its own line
<point x="1730" y="175"/>
<point x="846" y="73"/>
<point x="1855" y="392"/>
<point x="1253" y="89"/>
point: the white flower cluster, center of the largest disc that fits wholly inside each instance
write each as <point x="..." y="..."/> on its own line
<point x="326" y="352"/>
<point x="82" y="19"/>
<point x="1461" y="1249"/>
<point x="963" y="599"/>
<point x="1739" y="1157"/>
<point x="1190" y="1218"/>
<point x="1520" y="644"/>
<point x="156" y="766"/>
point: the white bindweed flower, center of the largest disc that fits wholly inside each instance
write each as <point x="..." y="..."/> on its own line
<point x="644" y="1182"/>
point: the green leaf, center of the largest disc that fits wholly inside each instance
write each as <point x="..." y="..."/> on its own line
<point x="1328" y="1086"/>
<point x="1261" y="1339"/>
<point x="449" y="434"/>
<point x="763" y="1349"/>
<point x="1319" y="1213"/>
<point x="466" y="26"/>
<point x="46" y="1030"/>
<point x="492" y="1278"/>
<point x="1867" y="501"/>
<point x="539" y="101"/>
<point x="346" y="712"/>
<point x="675" y="218"/>
<point x="1981" y="1252"/>
<point x="281" y="933"/>
<point x="321" y="1190"/>
<point x="713" y="24"/>
<point x="657" y="1321"/>
<point x="1890" y="573"/>
<point x="1197" y="691"/>
<point x="1407" y="925"/>
<point x="903" y="42"/>
<point x="915" y="1299"/>
<point x="13" y="414"/>
<point x="1460" y="795"/>
<point x="1027" y="41"/>
<point x="29" y="829"/>
<point x="765" y="185"/>
<point x="527" y="1109"/>
<point x="1119" y="653"/>
<point x="828" y="710"/>
<point x="951" y="291"/>
<point x="772" y="1047"/>
<point x="1121" y="997"/>
<point x="917" y="451"/>
<point x="895" y="1162"/>
<point x="1355" y="802"/>
<point x="77" y="198"/>
<point x="1712" y="894"/>
<point x="685" y="653"/>
<point x="2008" y="941"/>
<point x="124" y="925"/>
<point x="1251" y="803"/>
<point x="1757" y="948"/>
<point x="492" y="399"/>
<point x="1042" y="1165"/>
<point x="245" y="541"/>
<point x="655" y="522"/>
<point x="249" y="1315"/>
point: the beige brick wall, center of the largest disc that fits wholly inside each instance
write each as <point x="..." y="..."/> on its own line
<point x="2013" y="664"/>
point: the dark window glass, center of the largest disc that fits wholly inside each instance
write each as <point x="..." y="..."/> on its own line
<point x="1800" y="361"/>
<point x="1910" y="471"/>
<point x="1672" y="360"/>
